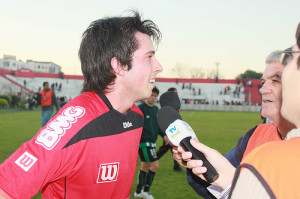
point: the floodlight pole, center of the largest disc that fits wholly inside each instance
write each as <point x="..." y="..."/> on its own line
<point x="217" y="64"/>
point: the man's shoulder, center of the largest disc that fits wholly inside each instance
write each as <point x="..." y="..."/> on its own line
<point x="267" y="127"/>
<point x="136" y="109"/>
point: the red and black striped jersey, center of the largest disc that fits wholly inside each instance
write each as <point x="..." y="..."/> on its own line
<point x="87" y="150"/>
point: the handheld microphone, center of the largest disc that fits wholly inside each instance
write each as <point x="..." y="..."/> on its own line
<point x="180" y="134"/>
<point x="170" y="98"/>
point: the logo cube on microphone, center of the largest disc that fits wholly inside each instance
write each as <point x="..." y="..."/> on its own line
<point x="108" y="172"/>
<point x="178" y="130"/>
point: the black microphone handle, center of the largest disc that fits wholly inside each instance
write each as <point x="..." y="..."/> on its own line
<point x="211" y="174"/>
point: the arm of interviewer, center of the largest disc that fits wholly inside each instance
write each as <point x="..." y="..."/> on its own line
<point x="217" y="160"/>
<point x="4" y="195"/>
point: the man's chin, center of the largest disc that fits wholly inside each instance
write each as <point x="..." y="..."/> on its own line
<point x="146" y="95"/>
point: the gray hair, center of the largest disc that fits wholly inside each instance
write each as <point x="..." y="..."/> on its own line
<point x="273" y="57"/>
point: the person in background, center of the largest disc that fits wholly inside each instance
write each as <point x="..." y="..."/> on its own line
<point x="147" y="147"/>
<point x="62" y="101"/>
<point x="164" y="148"/>
<point x="48" y="101"/>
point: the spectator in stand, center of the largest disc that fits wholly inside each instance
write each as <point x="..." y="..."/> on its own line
<point x="62" y="101"/>
<point x="30" y="102"/>
<point x="249" y="83"/>
<point x="244" y="82"/>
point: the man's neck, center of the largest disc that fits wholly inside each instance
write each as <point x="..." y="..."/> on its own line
<point x="284" y="127"/>
<point x="119" y="102"/>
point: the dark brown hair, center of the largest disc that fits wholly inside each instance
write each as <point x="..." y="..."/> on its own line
<point x="298" y="43"/>
<point x="107" y="38"/>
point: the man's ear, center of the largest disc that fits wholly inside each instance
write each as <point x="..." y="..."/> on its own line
<point x="117" y="66"/>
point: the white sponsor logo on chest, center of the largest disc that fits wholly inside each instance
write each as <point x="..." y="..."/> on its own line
<point x="127" y="125"/>
<point x="108" y="172"/>
<point x="26" y="161"/>
<point x="51" y="135"/>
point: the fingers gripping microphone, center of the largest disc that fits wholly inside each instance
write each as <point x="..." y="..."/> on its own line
<point x="170" y="98"/>
<point x="180" y="133"/>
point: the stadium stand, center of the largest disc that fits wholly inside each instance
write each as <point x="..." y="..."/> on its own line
<point x="194" y="93"/>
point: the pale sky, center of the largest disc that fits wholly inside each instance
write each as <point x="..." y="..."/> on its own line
<point x="196" y="33"/>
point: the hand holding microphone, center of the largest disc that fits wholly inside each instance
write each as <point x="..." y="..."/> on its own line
<point x="180" y="134"/>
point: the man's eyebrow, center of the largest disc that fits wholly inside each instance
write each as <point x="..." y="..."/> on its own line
<point x="151" y="52"/>
<point x="276" y="76"/>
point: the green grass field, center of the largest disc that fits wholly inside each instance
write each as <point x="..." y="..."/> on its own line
<point x="219" y="130"/>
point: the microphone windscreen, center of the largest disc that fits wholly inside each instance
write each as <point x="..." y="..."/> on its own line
<point x="170" y="98"/>
<point x="165" y="116"/>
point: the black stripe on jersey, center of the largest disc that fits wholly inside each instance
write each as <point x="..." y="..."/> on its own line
<point x="110" y="123"/>
<point x="65" y="188"/>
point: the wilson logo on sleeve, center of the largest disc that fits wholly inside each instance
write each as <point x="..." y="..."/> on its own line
<point x="26" y="161"/>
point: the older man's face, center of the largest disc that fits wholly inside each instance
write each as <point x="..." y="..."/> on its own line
<point x="271" y="91"/>
<point x="291" y="90"/>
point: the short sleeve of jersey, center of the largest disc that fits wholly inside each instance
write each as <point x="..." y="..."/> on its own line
<point x="42" y="160"/>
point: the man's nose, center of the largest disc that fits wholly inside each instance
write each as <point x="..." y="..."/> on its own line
<point x="265" y="89"/>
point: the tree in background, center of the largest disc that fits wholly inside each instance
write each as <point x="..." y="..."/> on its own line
<point x="179" y="71"/>
<point x="197" y="72"/>
<point x="250" y="74"/>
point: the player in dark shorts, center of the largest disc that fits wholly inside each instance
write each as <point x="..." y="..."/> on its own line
<point x="164" y="148"/>
<point x="147" y="147"/>
<point x="89" y="149"/>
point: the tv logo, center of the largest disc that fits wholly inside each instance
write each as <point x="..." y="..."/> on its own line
<point x="108" y="172"/>
<point x="26" y="161"/>
<point x="173" y="129"/>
